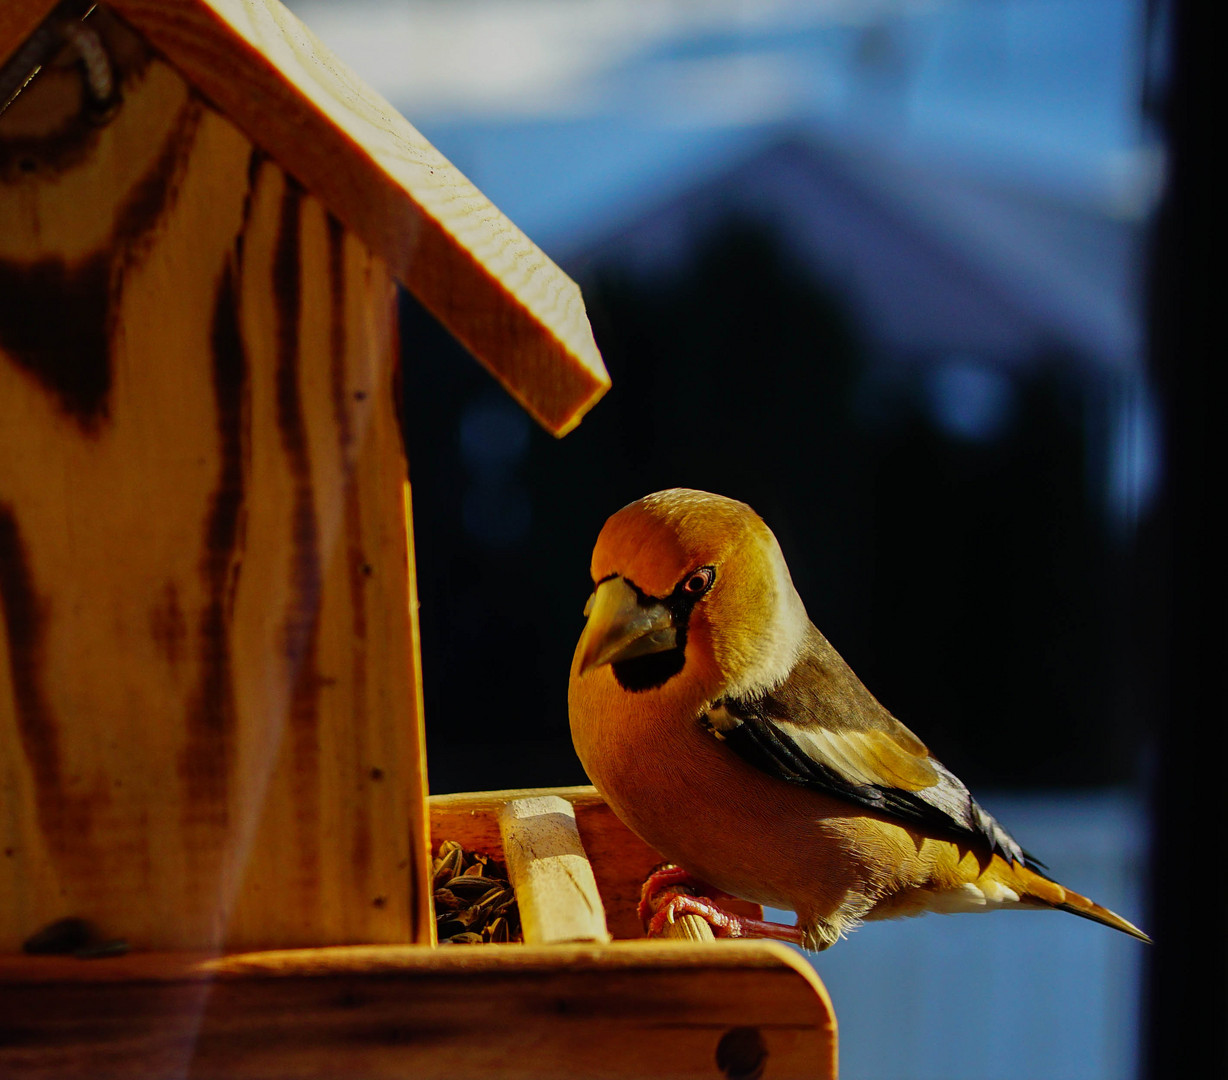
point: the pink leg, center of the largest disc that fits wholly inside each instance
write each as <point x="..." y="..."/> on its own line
<point x="724" y="925"/>
<point x="667" y="878"/>
<point x="670" y="891"/>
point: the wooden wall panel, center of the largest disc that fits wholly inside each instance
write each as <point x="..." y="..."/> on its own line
<point x="210" y="730"/>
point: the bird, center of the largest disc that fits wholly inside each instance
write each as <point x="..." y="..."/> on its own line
<point x="724" y="730"/>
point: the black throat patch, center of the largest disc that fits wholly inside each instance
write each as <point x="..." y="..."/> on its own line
<point x="649" y="672"/>
<point x="656" y="669"/>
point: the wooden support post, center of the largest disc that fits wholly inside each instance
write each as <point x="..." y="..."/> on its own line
<point x="554" y="883"/>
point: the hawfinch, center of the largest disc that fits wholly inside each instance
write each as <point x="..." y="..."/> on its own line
<point x="725" y="731"/>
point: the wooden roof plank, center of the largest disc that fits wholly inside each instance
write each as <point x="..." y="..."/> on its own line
<point x="494" y="289"/>
<point x="489" y="285"/>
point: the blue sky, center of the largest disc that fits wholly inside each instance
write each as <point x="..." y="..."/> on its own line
<point x="567" y="113"/>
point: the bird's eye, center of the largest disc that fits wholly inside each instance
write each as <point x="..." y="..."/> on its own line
<point x="699" y="582"/>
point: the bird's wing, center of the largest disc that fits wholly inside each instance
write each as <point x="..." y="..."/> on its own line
<point x="822" y="729"/>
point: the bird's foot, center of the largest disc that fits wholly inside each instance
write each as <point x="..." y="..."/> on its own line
<point x="670" y="892"/>
<point x="723" y="923"/>
<point x="670" y="880"/>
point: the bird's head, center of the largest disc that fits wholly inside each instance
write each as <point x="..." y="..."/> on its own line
<point x="690" y="584"/>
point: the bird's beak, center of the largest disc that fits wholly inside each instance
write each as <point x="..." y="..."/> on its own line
<point x="620" y="627"/>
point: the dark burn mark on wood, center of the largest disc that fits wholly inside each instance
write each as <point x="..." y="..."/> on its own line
<point x="65" y="819"/>
<point x="301" y="625"/>
<point x="255" y="162"/>
<point x="291" y="423"/>
<point x="336" y="331"/>
<point x="168" y="626"/>
<point x="57" y="319"/>
<point x="46" y="156"/>
<point x="156" y="191"/>
<point x="23" y="612"/>
<point x="347" y="449"/>
<point x="211" y="717"/>
<point x="54" y="324"/>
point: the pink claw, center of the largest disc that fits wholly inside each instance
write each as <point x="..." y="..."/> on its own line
<point x="666" y="876"/>
<point x="723" y="924"/>
<point x="660" y="905"/>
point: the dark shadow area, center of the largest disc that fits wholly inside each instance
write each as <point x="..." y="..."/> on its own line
<point x="1181" y="621"/>
<point x="969" y="573"/>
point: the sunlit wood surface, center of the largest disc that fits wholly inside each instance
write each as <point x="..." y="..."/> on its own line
<point x="491" y="286"/>
<point x="659" y="1009"/>
<point x="209" y="727"/>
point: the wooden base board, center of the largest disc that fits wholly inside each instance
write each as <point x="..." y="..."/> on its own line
<point x="661" y="1009"/>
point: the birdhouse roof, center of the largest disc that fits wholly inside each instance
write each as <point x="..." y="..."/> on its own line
<point x="492" y="287"/>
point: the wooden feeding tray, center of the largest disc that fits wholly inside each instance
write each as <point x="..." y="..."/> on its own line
<point x="566" y="1009"/>
<point x="211" y="749"/>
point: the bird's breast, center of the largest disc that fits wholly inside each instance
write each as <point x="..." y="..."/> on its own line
<point x="696" y="802"/>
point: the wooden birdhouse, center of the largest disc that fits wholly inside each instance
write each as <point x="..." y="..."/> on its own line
<point x="212" y="768"/>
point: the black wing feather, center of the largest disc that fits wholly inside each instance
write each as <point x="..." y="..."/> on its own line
<point x="945" y="808"/>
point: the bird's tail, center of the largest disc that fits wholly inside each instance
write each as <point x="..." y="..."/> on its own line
<point x="1035" y="888"/>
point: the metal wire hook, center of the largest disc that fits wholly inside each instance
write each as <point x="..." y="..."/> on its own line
<point x="66" y="23"/>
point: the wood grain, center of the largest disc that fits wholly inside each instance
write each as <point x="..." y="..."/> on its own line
<point x="492" y="287"/>
<point x="546" y="864"/>
<point x="209" y="729"/>
<point x="620" y="859"/>
<point x="732" y="1009"/>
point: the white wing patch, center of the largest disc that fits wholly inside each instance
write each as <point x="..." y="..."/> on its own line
<point x="830" y="748"/>
<point x="860" y="757"/>
<point x="971" y="896"/>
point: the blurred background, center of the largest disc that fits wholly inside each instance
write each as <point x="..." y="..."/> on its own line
<point x="878" y="269"/>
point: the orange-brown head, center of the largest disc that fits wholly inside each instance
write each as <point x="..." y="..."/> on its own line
<point x="692" y="585"/>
